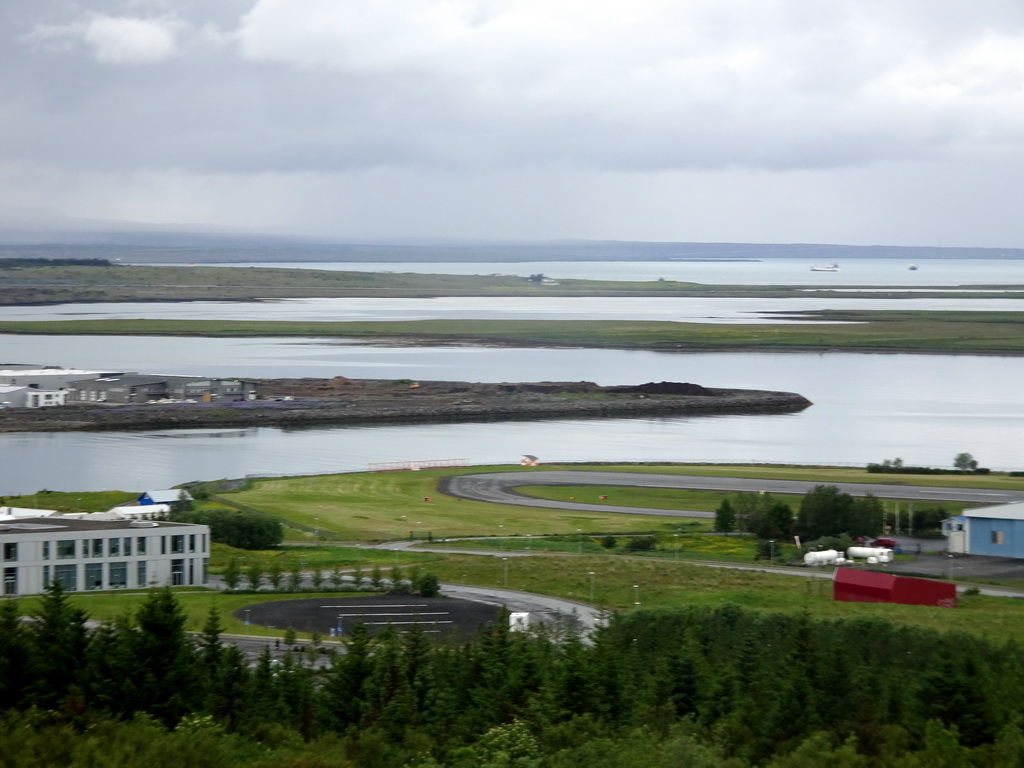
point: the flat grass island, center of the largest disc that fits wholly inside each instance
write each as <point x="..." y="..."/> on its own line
<point x="342" y="401"/>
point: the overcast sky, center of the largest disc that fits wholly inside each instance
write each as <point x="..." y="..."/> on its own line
<point x="843" y="121"/>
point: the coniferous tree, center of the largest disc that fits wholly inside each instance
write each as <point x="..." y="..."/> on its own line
<point x="59" y="635"/>
<point x="164" y="662"/>
<point x="16" y="657"/>
<point x="725" y="517"/>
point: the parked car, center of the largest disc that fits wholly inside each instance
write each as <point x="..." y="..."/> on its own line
<point x="890" y="543"/>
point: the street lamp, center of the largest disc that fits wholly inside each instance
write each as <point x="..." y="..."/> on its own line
<point x="579" y="536"/>
<point x="247" y="616"/>
<point x="591" y="586"/>
<point x="771" y="548"/>
<point x="505" y="559"/>
<point x="501" y="535"/>
<point x="337" y="629"/>
<point x="636" y="595"/>
<point x="676" y="537"/>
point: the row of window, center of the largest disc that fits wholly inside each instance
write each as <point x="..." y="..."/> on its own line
<point x="68" y="549"/>
<point x="183" y="572"/>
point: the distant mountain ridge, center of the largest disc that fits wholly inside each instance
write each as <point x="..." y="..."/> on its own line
<point x="147" y="247"/>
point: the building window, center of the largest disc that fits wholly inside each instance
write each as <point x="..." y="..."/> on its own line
<point x="10" y="551"/>
<point x="115" y="547"/>
<point x="46" y="576"/>
<point x="191" y="571"/>
<point x="192" y="542"/>
<point x="177" y="545"/>
<point x="997" y="537"/>
<point x="46" y="550"/>
<point x="204" y="543"/>
<point x="118" y="575"/>
<point x="66" y="576"/>
<point x="94" y="575"/>
<point x="177" y="573"/>
<point x="140" y="574"/>
<point x="206" y="571"/>
<point x="127" y="546"/>
<point x="97" y="547"/>
<point x="10" y="581"/>
<point x="163" y="545"/>
<point x="141" y="541"/>
<point x="65" y="549"/>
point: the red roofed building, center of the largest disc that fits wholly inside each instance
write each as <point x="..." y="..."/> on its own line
<point x="870" y="587"/>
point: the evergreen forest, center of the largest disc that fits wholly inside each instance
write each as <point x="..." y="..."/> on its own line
<point x="701" y="687"/>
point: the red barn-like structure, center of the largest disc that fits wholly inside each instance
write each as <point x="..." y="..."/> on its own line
<point x="870" y="587"/>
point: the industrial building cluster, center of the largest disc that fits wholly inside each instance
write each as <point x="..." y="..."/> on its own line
<point x="29" y="386"/>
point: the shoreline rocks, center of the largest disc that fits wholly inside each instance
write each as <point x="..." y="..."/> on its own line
<point x="308" y="403"/>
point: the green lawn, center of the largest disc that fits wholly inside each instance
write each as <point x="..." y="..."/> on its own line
<point x="656" y="498"/>
<point x="813" y="474"/>
<point x="935" y="331"/>
<point x="683" y="545"/>
<point x="618" y="583"/>
<point x="389" y="506"/>
<point x="662" y="583"/>
<point x="309" y="557"/>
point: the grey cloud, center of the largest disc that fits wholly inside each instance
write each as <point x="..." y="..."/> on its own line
<point x="325" y="110"/>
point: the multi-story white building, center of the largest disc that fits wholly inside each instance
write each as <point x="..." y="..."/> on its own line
<point x="101" y="554"/>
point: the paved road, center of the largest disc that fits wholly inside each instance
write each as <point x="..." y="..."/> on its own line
<point x="499" y="488"/>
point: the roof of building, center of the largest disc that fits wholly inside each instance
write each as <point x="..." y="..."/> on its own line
<point x="1013" y="511"/>
<point x="72" y="525"/>
<point x="136" y="510"/>
<point x="131" y="380"/>
<point x="166" y="496"/>
<point x="22" y="372"/>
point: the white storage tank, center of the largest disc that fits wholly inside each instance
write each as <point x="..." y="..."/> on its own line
<point x="881" y="554"/>
<point x="824" y="557"/>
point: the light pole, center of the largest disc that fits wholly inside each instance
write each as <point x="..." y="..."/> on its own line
<point x="771" y="549"/>
<point x="338" y="628"/>
<point x="636" y="596"/>
<point x="579" y="536"/>
<point x="591" y="586"/>
<point x="505" y="559"/>
<point x="676" y="537"/>
<point x="247" y="616"/>
<point x="501" y="536"/>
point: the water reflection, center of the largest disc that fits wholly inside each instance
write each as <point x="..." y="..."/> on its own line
<point x="923" y="408"/>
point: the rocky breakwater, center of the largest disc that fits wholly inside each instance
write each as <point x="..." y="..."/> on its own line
<point x="340" y="401"/>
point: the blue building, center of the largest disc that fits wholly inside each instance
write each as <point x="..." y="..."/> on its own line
<point x="996" y="531"/>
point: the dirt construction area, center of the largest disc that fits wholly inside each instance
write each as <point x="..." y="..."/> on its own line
<point x="436" y="616"/>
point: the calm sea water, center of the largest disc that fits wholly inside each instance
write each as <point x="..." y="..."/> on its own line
<point x="923" y="408"/>
<point x="867" y="272"/>
<point x="670" y="309"/>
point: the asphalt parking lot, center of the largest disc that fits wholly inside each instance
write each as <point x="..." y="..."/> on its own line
<point x="436" y="616"/>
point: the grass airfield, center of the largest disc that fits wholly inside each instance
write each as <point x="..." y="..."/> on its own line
<point x="569" y="562"/>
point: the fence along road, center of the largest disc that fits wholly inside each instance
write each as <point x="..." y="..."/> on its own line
<point x="499" y="488"/>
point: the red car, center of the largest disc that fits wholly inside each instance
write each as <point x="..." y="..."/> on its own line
<point x="890" y="543"/>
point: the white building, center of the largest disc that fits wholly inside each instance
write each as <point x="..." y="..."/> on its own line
<point x="30" y="397"/>
<point x="20" y="513"/>
<point x="99" y="554"/>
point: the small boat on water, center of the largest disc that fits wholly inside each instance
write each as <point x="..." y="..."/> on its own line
<point x="912" y="267"/>
<point x="833" y="267"/>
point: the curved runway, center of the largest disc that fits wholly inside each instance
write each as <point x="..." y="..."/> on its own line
<point x="498" y="488"/>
